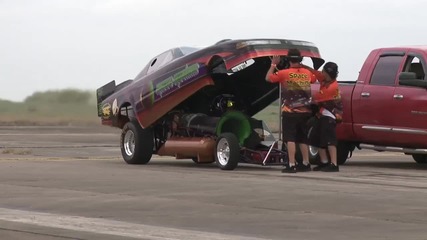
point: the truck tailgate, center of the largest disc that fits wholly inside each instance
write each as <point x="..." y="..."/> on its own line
<point x="345" y="129"/>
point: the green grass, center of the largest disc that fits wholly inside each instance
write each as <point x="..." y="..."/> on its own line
<point x="271" y="116"/>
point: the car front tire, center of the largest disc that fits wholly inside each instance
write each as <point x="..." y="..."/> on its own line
<point x="227" y="151"/>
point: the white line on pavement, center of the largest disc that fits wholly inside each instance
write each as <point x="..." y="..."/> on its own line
<point x="110" y="227"/>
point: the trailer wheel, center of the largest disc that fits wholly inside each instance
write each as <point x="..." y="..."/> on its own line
<point x="227" y="151"/>
<point x="420" y="158"/>
<point x="136" y="144"/>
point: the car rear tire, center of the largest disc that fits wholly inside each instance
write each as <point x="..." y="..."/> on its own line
<point x="136" y="143"/>
<point x="227" y="151"/>
<point x="420" y="158"/>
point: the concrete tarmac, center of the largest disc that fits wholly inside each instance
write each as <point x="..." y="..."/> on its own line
<point x="71" y="183"/>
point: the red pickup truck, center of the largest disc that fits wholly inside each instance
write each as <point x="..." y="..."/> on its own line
<point x="386" y="108"/>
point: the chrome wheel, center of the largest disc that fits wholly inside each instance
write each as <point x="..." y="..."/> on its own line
<point x="227" y="155"/>
<point x="223" y="151"/>
<point x="129" y="143"/>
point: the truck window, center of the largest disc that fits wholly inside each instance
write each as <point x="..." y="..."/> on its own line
<point x="386" y="70"/>
<point x="415" y="65"/>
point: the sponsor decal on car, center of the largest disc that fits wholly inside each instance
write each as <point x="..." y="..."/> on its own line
<point x="106" y="111"/>
<point x="241" y="66"/>
<point x="176" y="81"/>
<point x="115" y="108"/>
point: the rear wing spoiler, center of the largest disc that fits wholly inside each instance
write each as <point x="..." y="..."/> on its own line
<point x="105" y="91"/>
<point x="102" y="93"/>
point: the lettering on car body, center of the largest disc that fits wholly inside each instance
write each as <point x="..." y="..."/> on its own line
<point x="177" y="80"/>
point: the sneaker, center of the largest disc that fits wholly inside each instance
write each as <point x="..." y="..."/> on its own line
<point x="303" y="168"/>
<point x="320" y="166"/>
<point x="289" y="169"/>
<point x="330" y="168"/>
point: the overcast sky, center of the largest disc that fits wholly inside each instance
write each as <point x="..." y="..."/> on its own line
<point x="57" y="44"/>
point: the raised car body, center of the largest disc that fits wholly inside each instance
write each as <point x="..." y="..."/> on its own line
<point x="183" y="94"/>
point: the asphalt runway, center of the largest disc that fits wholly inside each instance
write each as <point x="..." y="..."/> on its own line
<point x="71" y="183"/>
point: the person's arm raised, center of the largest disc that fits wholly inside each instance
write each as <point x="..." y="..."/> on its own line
<point x="274" y="61"/>
<point x="317" y="74"/>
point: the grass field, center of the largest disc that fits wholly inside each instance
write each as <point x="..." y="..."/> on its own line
<point x="65" y="107"/>
<point x="74" y="108"/>
<point x="270" y="115"/>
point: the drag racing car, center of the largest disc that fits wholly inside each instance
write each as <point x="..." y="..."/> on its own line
<point x="199" y="103"/>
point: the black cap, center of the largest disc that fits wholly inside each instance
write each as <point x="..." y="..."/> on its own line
<point x="331" y="69"/>
<point x="294" y="56"/>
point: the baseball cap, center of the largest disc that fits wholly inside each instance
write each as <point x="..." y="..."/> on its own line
<point x="331" y="69"/>
<point x="294" y="55"/>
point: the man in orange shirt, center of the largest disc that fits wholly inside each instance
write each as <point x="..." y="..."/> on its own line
<point x="330" y="112"/>
<point x="295" y="101"/>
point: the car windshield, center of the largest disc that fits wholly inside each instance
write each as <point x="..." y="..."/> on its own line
<point x="188" y="50"/>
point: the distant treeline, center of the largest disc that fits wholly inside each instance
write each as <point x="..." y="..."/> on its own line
<point x="53" y="107"/>
<point x="66" y="96"/>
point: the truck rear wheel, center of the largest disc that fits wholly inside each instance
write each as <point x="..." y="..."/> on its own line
<point x="227" y="151"/>
<point x="420" y="158"/>
<point x="136" y="144"/>
<point x="343" y="150"/>
<point x="313" y="155"/>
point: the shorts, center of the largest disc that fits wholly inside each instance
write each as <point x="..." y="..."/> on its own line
<point x="322" y="132"/>
<point x="294" y="127"/>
